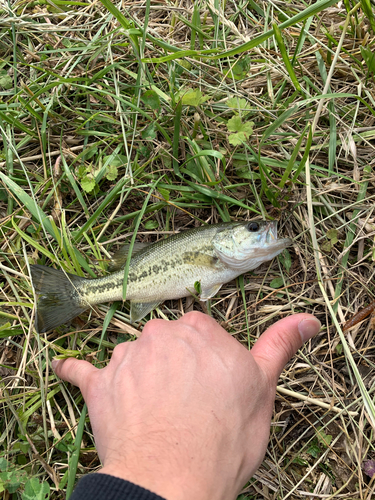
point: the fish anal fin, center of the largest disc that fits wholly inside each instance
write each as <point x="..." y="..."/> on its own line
<point x="119" y="257"/>
<point x="200" y="259"/>
<point x="138" y="310"/>
<point x="207" y="293"/>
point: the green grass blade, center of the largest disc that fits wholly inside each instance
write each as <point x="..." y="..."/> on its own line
<point x="31" y="240"/>
<point x="74" y="459"/>
<point x="74" y="184"/>
<point x="137" y="223"/>
<point x="104" y="204"/>
<point x="219" y="196"/>
<point x="278" y="122"/>
<point x="305" y="155"/>
<point x="285" y="56"/>
<point x="310" y="11"/>
<point x="292" y="160"/>
<point x="8" y="118"/>
<point x="29" y="203"/>
<point x="176" y="137"/>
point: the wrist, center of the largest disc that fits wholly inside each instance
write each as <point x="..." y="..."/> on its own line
<point x="172" y="484"/>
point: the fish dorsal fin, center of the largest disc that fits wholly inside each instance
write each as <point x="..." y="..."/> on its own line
<point x="119" y="257"/>
<point x="138" y="310"/>
<point x="200" y="259"/>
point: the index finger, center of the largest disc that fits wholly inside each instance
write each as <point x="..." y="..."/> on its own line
<point x="75" y="371"/>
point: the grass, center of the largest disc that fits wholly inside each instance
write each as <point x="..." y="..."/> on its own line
<point x="124" y="125"/>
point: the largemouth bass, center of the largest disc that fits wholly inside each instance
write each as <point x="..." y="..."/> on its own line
<point x="168" y="269"/>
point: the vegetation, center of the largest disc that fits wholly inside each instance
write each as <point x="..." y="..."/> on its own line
<point x="156" y="117"/>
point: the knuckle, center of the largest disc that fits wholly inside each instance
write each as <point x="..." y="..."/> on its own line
<point x="198" y="321"/>
<point x="154" y="326"/>
<point x="194" y="318"/>
<point x="118" y="352"/>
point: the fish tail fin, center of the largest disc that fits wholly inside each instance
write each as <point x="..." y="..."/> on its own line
<point x="59" y="298"/>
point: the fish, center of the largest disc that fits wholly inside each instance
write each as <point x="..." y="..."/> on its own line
<point x="170" y="268"/>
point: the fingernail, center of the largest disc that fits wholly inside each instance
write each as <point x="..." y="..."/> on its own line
<point x="54" y="363"/>
<point x="308" y="328"/>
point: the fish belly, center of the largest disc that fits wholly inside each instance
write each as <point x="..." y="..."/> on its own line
<point x="174" y="285"/>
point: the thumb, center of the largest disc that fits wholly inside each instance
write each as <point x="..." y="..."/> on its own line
<point x="75" y="371"/>
<point x="281" y="341"/>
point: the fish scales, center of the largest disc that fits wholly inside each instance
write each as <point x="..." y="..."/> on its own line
<point x="175" y="264"/>
<point x="168" y="269"/>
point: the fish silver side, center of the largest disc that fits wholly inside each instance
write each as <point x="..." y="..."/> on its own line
<point x="168" y="269"/>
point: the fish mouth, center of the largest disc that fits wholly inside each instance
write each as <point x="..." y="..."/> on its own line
<point x="271" y="238"/>
<point x="271" y="234"/>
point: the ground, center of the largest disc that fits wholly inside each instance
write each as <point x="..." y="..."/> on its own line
<point x="157" y="117"/>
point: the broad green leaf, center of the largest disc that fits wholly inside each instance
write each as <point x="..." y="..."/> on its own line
<point x="88" y="183"/>
<point x="332" y="234"/>
<point x="151" y="98"/>
<point x="194" y="98"/>
<point x="3" y="462"/>
<point x="34" y="490"/>
<point x="149" y="132"/>
<point x="314" y="450"/>
<point x="241" y="68"/>
<point x="246" y="173"/>
<point x="242" y="130"/>
<point x="236" y="139"/>
<point x="286" y="259"/>
<point x="235" y="125"/>
<point x="326" y="246"/>
<point x="323" y="438"/>
<point x="151" y="224"/>
<point x="369" y="58"/>
<point x="6" y="81"/>
<point x="112" y="172"/>
<point x="237" y="103"/>
<point x="277" y="282"/>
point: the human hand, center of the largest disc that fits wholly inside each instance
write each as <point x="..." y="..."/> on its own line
<point x="185" y="410"/>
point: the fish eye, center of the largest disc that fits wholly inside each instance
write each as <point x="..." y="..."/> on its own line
<point x="253" y="227"/>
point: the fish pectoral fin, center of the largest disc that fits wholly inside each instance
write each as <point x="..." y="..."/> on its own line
<point x="119" y="257"/>
<point x="200" y="259"/>
<point x="207" y="293"/>
<point x="138" y="310"/>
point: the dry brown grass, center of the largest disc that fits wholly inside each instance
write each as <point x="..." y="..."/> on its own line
<point x="69" y="90"/>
